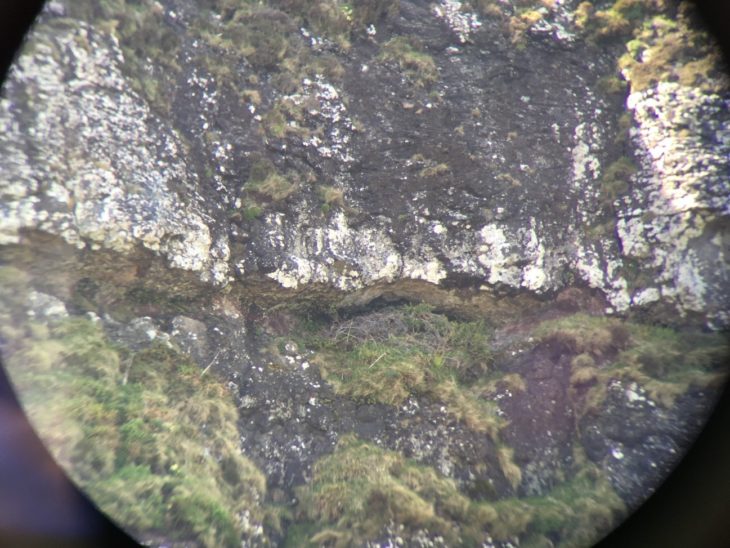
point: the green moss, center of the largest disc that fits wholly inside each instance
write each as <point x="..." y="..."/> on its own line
<point x="153" y="442"/>
<point x="520" y="23"/>
<point x="612" y="84"/>
<point x="615" y="180"/>
<point x="434" y="170"/>
<point x="359" y="489"/>
<point x="149" y="44"/>
<point x="416" y="66"/>
<point x="578" y="512"/>
<point x="286" y="116"/>
<point x="266" y="182"/>
<point x="368" y="12"/>
<point x="618" y="20"/>
<point x="331" y="196"/>
<point x="511" y="471"/>
<point x="409" y="351"/>
<point x="328" y="17"/>
<point x="251" y="212"/>
<point x="664" y="361"/>
<point x="673" y="50"/>
<point x="581" y="333"/>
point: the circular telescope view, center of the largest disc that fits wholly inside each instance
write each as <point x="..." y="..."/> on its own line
<point x="419" y="273"/>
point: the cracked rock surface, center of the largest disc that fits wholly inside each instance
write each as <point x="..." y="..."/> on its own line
<point x="481" y="243"/>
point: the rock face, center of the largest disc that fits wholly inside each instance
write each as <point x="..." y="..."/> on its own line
<point x="88" y="161"/>
<point x="238" y="182"/>
<point x="438" y="180"/>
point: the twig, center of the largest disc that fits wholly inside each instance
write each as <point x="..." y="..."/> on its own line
<point x="204" y="371"/>
<point x="377" y="360"/>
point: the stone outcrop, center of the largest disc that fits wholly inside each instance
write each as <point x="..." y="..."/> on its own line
<point x="434" y="186"/>
<point x="237" y="183"/>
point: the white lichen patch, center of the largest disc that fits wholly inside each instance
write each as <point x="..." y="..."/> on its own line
<point x="684" y="136"/>
<point x="102" y="166"/>
<point x="586" y="166"/>
<point x="518" y="258"/>
<point x="330" y="114"/>
<point x="461" y="22"/>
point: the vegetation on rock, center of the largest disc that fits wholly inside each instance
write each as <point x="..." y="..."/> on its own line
<point x="362" y="492"/>
<point x="664" y="361"/>
<point x="390" y="356"/>
<point x="416" y="65"/>
<point x="673" y="50"/>
<point x="150" y="439"/>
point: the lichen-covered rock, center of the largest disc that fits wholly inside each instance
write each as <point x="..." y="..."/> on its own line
<point x="671" y="223"/>
<point x="85" y="159"/>
<point x="101" y="169"/>
<point x="638" y="441"/>
<point x="239" y="199"/>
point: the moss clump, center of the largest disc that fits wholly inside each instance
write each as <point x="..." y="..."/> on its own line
<point x="664" y="361"/>
<point x="615" y="180"/>
<point x="667" y="50"/>
<point x="577" y="512"/>
<point x="522" y="22"/>
<point x="153" y="442"/>
<point x="511" y="471"/>
<point x="416" y="66"/>
<point x="360" y="489"/>
<point x="274" y="187"/>
<point x="336" y="19"/>
<point x="612" y="84"/>
<point x="368" y="12"/>
<point x="266" y="182"/>
<point x="328" y="17"/>
<point x="149" y="44"/>
<point x="619" y="20"/>
<point x="434" y="170"/>
<point x="667" y="363"/>
<point x="286" y="116"/>
<point x="583" y="334"/>
<point x="331" y="196"/>
<point x="251" y="212"/>
<point x="261" y="35"/>
<point x="388" y="356"/>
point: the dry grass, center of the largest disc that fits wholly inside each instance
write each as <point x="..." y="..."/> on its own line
<point x="510" y="381"/>
<point x="355" y="492"/>
<point x="332" y="196"/>
<point x="664" y="361"/>
<point x="673" y="50"/>
<point x="511" y="471"/>
<point x="434" y="170"/>
<point x="584" y="334"/>
<point x="582" y="376"/>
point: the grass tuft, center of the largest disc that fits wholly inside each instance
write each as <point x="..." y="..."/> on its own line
<point x="416" y="66"/>
<point x="359" y="489"/>
<point x="389" y="356"/>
